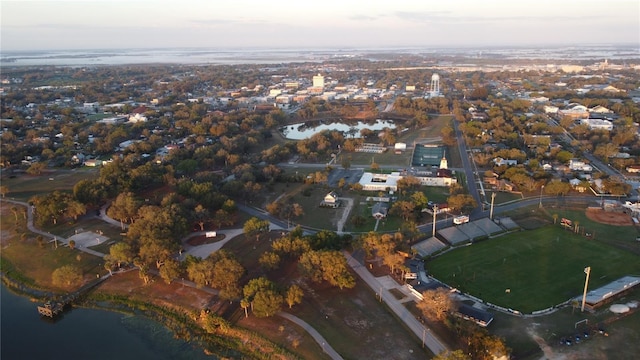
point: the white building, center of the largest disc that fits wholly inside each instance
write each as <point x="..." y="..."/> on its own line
<point x="597" y="124"/>
<point x="579" y="165"/>
<point x="318" y="81"/>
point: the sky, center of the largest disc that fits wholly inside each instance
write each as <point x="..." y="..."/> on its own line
<point x="113" y="24"/>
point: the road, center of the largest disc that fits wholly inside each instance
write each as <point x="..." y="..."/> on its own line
<point x="472" y="186"/>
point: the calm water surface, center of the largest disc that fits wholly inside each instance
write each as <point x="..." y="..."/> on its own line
<point x="84" y="334"/>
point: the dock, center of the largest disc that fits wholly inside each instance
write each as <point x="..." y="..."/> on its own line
<point x="52" y="308"/>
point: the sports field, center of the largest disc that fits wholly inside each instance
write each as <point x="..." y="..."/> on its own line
<point x="532" y="270"/>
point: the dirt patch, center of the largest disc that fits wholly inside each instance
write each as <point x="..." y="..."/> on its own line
<point x="609" y="217"/>
<point x="202" y="240"/>
<point x="130" y="284"/>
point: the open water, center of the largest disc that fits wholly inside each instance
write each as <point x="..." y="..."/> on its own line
<point x="84" y="334"/>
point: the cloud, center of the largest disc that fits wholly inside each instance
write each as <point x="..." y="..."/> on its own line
<point x="363" y="17"/>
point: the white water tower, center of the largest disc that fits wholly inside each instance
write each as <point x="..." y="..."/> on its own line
<point x="434" y="90"/>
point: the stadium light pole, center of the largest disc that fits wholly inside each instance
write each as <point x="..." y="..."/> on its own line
<point x="540" y="202"/>
<point x="435" y="211"/>
<point x="493" y="197"/>
<point x="587" y="271"/>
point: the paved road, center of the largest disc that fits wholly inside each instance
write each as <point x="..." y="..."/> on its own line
<point x="314" y="333"/>
<point x="421" y="331"/>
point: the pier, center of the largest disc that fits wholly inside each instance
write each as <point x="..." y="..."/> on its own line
<point x="52" y="308"/>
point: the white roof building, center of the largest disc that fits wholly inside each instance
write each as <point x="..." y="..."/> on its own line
<point x="597" y="124"/>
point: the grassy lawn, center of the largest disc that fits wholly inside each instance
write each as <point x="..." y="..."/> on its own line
<point x="37" y="263"/>
<point x="23" y="187"/>
<point x="541" y="267"/>
<point x="352" y="320"/>
<point x="502" y="197"/>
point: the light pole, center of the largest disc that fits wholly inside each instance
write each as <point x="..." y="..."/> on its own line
<point x="435" y="212"/>
<point x="540" y="203"/>
<point x="587" y="271"/>
<point x="493" y="197"/>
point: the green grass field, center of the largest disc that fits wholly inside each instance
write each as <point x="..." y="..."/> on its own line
<point x="23" y="187"/>
<point x="542" y="267"/>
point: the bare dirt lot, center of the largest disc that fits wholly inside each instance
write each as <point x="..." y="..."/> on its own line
<point x="609" y="217"/>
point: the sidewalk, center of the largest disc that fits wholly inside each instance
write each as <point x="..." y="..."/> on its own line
<point x="422" y="332"/>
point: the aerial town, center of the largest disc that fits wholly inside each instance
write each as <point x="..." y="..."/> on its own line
<point x="363" y="205"/>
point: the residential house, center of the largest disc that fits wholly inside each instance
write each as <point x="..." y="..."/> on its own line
<point x="331" y="200"/>
<point x="379" y="210"/>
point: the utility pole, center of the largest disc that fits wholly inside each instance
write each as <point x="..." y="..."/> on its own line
<point x="540" y="203"/>
<point x="435" y="212"/>
<point x="493" y="196"/>
<point x="587" y="271"/>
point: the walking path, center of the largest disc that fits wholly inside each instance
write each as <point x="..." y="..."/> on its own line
<point x="314" y="333"/>
<point x="200" y="251"/>
<point x="345" y="215"/>
<point x="421" y="331"/>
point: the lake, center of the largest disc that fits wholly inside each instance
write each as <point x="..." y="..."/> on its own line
<point x="306" y="130"/>
<point x="84" y="334"/>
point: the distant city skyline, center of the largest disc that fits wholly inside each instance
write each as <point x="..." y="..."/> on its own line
<point x="97" y="24"/>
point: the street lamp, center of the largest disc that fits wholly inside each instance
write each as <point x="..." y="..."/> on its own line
<point x="540" y="203"/>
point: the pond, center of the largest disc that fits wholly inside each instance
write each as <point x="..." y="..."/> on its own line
<point x="306" y="130"/>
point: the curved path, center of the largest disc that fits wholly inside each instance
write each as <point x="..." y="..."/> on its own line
<point x="313" y="332"/>
<point x="202" y="251"/>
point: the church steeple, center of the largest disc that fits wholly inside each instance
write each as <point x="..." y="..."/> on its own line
<point x="443" y="161"/>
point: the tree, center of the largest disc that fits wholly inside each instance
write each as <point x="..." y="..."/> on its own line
<point x="461" y="202"/>
<point x="36" y="168"/>
<point x="436" y="304"/>
<point x="72" y="244"/>
<point x="201" y="214"/>
<point x="14" y="210"/>
<point x="262" y="295"/>
<point x="67" y="276"/>
<point x="4" y="190"/>
<point x="227" y="272"/>
<point x="255" y="226"/>
<point x="170" y="270"/>
<point x="199" y="271"/>
<point x="269" y="260"/>
<point x="121" y="253"/>
<point x="294" y="295"/>
<point x="328" y="265"/>
<point x="404" y="209"/>
<point x="244" y="304"/>
<point x="124" y="208"/>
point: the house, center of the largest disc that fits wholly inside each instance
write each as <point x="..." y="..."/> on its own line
<point x="379" y="210"/>
<point x="633" y="169"/>
<point x="500" y="161"/>
<point x="600" y="109"/>
<point x="575" y="111"/>
<point x="330" y="200"/>
<point x="578" y="165"/>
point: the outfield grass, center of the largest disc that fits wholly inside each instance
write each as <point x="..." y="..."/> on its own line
<point x="542" y="267"/>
